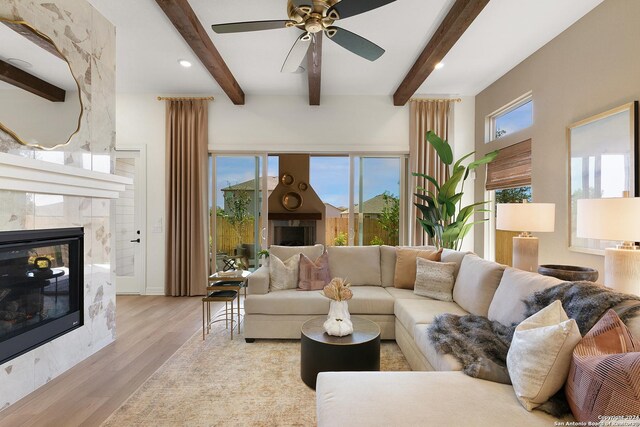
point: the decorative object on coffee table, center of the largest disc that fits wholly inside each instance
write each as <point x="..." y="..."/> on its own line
<point x="526" y="217"/>
<point x="614" y="219"/>
<point x="570" y="273"/>
<point x="320" y="352"/>
<point x="338" y="322"/>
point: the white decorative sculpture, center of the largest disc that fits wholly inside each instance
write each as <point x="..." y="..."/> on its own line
<point x="338" y="321"/>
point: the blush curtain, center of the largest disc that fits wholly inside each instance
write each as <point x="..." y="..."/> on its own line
<point x="186" y="193"/>
<point x="426" y="115"/>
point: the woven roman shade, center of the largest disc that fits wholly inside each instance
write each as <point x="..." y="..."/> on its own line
<point x="512" y="167"/>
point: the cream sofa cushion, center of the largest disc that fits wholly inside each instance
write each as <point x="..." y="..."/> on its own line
<point x="387" y="264"/>
<point x="286" y="252"/>
<point x="410" y="312"/>
<point x="507" y="306"/>
<point x="450" y="255"/>
<point x="439" y="361"/>
<point x="476" y="283"/>
<point x="540" y="354"/>
<point x="405" y="276"/>
<point x="434" y="279"/>
<point x="360" y="265"/>
<point x="419" y="399"/>
<point x="283" y="274"/>
<point x="403" y="293"/>
<point x="366" y="300"/>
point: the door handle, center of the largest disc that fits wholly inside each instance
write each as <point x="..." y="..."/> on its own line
<point x="136" y="241"/>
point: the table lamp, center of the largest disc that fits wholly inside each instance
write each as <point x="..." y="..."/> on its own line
<point x="614" y="219"/>
<point x="526" y="217"/>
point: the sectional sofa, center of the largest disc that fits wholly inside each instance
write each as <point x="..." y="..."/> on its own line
<point x="436" y="393"/>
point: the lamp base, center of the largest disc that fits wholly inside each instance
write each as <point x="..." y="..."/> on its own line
<point x="622" y="270"/>
<point x="525" y="253"/>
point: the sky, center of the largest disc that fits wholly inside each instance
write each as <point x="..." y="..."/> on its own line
<point x="517" y="119"/>
<point x="329" y="176"/>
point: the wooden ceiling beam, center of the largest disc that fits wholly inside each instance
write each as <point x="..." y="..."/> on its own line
<point x="459" y="18"/>
<point x="186" y="22"/>
<point x="23" y="80"/>
<point x="35" y="38"/>
<point x="314" y="69"/>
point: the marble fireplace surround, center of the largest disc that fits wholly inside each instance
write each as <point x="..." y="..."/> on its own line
<point x="73" y="188"/>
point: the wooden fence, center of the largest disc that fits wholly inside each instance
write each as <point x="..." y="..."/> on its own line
<point x="227" y="238"/>
<point x="504" y="246"/>
<point x="371" y="226"/>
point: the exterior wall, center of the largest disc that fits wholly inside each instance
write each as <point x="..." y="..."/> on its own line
<point x="88" y="40"/>
<point x="591" y="67"/>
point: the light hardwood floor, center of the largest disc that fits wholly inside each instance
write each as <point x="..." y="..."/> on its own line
<point x="149" y="330"/>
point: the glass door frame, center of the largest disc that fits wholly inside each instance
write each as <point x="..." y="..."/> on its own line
<point x="261" y="204"/>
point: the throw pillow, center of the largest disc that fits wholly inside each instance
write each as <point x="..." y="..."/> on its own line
<point x="283" y="274"/>
<point x="540" y="354"/>
<point x="434" y="279"/>
<point x="405" y="274"/>
<point x="313" y="276"/>
<point x="476" y="284"/>
<point x="605" y="372"/>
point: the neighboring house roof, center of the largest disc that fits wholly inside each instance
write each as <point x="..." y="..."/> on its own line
<point x="272" y="181"/>
<point x="372" y="206"/>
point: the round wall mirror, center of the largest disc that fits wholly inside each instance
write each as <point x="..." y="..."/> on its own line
<point x="40" y="102"/>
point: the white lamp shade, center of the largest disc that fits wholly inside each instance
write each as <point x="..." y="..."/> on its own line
<point x="609" y="219"/>
<point x="537" y="217"/>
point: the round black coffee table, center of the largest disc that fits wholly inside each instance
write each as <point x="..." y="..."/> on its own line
<point x="321" y="352"/>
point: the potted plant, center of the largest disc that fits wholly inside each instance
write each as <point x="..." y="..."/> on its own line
<point x="237" y="214"/>
<point x="443" y="217"/>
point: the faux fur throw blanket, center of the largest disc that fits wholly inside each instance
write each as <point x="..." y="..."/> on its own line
<point x="481" y="345"/>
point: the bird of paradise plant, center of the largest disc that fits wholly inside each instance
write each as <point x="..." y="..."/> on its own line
<point x="443" y="217"/>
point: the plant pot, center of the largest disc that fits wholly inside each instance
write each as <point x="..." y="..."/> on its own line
<point x="338" y="323"/>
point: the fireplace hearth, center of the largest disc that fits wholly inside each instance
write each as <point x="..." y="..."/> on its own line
<point x="41" y="292"/>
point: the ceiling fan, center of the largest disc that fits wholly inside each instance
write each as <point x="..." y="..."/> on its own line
<point x="312" y="17"/>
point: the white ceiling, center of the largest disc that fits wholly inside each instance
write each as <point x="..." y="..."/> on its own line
<point x="505" y="33"/>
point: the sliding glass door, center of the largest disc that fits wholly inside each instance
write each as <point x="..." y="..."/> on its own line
<point x="237" y="224"/>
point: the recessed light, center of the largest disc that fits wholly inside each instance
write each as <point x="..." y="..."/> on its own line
<point x="19" y="63"/>
<point x="438" y="66"/>
<point x="184" y="63"/>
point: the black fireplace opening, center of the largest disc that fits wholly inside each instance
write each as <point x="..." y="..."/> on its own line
<point x="41" y="291"/>
<point x="294" y="232"/>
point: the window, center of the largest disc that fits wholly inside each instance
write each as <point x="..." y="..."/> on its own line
<point x="513" y="117"/>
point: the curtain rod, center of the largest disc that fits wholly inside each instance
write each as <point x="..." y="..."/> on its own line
<point x="437" y="99"/>
<point x="185" y="98"/>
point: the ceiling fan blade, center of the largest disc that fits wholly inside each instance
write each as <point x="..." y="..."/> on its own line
<point x="240" y="27"/>
<point x="353" y="42"/>
<point x="297" y="54"/>
<point x="298" y="3"/>
<point x="346" y="8"/>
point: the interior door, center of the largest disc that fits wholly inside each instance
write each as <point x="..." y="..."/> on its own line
<point x="130" y="238"/>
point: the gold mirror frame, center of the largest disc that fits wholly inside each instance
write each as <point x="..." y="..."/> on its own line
<point x="47" y="39"/>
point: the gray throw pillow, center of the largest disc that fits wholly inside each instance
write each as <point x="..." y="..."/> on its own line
<point x="434" y="279"/>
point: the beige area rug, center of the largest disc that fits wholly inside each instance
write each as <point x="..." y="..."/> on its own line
<point x="219" y="382"/>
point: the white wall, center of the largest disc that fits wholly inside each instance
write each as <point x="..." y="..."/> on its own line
<point x="342" y="124"/>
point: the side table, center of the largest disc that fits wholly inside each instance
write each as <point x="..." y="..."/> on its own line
<point x="222" y="287"/>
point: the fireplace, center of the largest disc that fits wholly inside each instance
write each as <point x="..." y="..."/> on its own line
<point x="294" y="232"/>
<point x="41" y="291"/>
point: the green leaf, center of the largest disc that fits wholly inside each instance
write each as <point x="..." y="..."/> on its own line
<point x="448" y="189"/>
<point x="442" y="147"/>
<point x="488" y="158"/>
<point x="428" y="178"/>
<point x="455" y="166"/>
<point x="451" y="208"/>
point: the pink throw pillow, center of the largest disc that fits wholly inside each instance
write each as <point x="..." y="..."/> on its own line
<point x="313" y="276"/>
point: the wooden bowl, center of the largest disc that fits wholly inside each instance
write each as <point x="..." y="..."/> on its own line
<point x="570" y="273"/>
